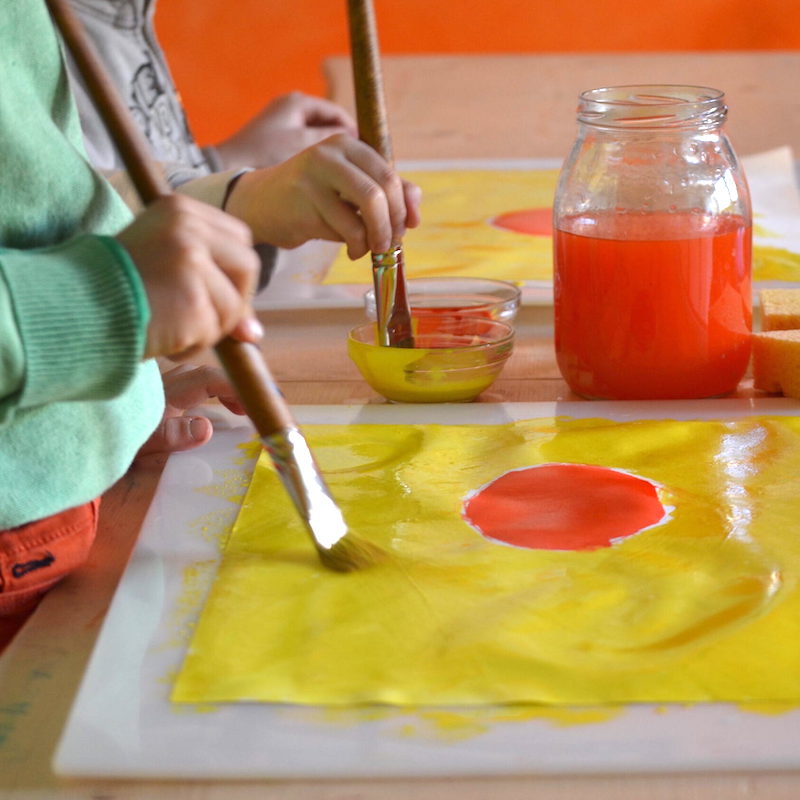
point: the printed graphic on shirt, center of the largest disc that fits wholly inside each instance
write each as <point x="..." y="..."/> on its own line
<point x="123" y="32"/>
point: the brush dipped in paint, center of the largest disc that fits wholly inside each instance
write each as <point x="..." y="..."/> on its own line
<point x="393" y="315"/>
<point x="248" y="372"/>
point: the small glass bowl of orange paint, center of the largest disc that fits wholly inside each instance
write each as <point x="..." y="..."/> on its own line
<point x="452" y="361"/>
<point x="468" y="297"/>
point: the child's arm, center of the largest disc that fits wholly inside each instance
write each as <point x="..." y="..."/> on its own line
<point x="76" y="319"/>
<point x="12" y="353"/>
<point x="72" y="322"/>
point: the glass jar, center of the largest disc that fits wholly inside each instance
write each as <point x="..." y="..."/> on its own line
<point x="652" y="248"/>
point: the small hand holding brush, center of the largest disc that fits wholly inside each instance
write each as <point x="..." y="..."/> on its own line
<point x="248" y="372"/>
<point x="388" y="269"/>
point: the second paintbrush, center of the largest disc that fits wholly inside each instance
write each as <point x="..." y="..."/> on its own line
<point x="393" y="314"/>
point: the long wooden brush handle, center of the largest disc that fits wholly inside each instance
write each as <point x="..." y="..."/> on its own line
<point x="373" y="126"/>
<point x="253" y="381"/>
<point x="242" y="361"/>
<point x="130" y="141"/>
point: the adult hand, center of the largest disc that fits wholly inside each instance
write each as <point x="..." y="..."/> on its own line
<point x="199" y="270"/>
<point x="185" y="388"/>
<point x="340" y="190"/>
<point x="289" y="124"/>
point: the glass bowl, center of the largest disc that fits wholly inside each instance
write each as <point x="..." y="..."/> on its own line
<point x="471" y="297"/>
<point x="453" y="360"/>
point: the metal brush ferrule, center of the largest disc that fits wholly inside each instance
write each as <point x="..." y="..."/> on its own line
<point x="303" y="480"/>
<point x="391" y="303"/>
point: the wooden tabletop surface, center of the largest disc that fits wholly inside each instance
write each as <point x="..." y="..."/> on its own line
<point x="440" y="107"/>
<point x="506" y="106"/>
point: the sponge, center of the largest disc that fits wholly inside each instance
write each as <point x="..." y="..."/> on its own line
<point x="780" y="309"/>
<point x="776" y="362"/>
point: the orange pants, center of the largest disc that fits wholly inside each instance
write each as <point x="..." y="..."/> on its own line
<point x="35" y="556"/>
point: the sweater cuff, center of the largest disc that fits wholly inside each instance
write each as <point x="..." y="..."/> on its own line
<point x="82" y="314"/>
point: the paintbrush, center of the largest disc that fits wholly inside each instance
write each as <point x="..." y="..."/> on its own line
<point x="388" y="269"/>
<point x="246" y="368"/>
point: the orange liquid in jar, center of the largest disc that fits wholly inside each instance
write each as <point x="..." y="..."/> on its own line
<point x="654" y="306"/>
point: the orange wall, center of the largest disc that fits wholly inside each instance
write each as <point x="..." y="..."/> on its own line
<point x="229" y="57"/>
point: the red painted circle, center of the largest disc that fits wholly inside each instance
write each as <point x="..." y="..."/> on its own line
<point x="533" y="221"/>
<point x="563" y="507"/>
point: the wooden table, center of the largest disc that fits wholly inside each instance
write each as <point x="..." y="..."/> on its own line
<point x="441" y="107"/>
<point x="506" y="106"/>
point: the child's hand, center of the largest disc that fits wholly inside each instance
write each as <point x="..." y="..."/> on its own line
<point x="199" y="270"/>
<point x="185" y="388"/>
<point x="289" y="124"/>
<point x="340" y="190"/>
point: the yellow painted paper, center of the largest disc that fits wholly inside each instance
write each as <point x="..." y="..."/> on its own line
<point x="775" y="264"/>
<point x="704" y="606"/>
<point x="458" y="238"/>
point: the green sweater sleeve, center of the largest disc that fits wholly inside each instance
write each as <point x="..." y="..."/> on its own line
<point x="12" y="356"/>
<point x="73" y="323"/>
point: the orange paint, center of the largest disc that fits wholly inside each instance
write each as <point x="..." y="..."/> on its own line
<point x="564" y="507"/>
<point x="652" y="306"/>
<point x="429" y="320"/>
<point x="531" y="221"/>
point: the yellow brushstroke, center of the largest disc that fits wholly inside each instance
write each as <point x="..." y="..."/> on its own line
<point x="457" y="238"/>
<point x="761" y="231"/>
<point x="703" y="607"/>
<point x="769" y="709"/>
<point x="456" y="724"/>
<point x="775" y="264"/>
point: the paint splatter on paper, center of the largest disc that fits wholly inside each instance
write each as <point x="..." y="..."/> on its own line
<point x="702" y="604"/>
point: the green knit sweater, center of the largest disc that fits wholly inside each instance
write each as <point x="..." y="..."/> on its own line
<point x="76" y="400"/>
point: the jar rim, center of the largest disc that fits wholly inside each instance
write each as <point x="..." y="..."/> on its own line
<point x="652" y="106"/>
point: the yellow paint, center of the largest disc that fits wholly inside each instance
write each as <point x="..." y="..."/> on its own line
<point x="704" y="607"/>
<point x="775" y="264"/>
<point x="461" y="725"/>
<point x="452" y="724"/>
<point x="456" y="238"/>
<point x="196" y="578"/>
<point x="762" y="231"/>
<point x="227" y="485"/>
<point x="426" y="375"/>
<point x="213" y="526"/>
<point x="769" y="709"/>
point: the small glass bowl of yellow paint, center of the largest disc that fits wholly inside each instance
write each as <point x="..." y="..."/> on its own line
<point x="453" y="360"/>
<point x="470" y="297"/>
